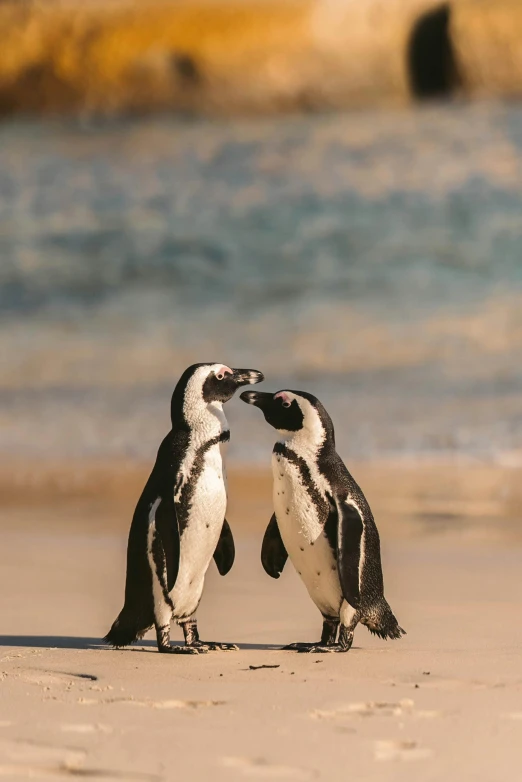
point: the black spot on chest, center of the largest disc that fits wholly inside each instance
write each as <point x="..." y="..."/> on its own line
<point x="186" y="496"/>
<point x="306" y="480"/>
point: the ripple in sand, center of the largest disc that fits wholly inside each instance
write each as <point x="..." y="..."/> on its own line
<point x="259" y="767"/>
<point x="41" y="761"/>
<point x="166" y="704"/>
<point x="367" y="709"/>
<point x="85" y="727"/>
<point x="400" y="750"/>
<point x="405" y="707"/>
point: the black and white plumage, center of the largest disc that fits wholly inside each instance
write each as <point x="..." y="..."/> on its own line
<point x="323" y="522"/>
<point x="179" y="523"/>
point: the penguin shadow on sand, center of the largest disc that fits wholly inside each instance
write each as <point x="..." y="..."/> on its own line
<point x="54" y="642"/>
<point x="77" y="642"/>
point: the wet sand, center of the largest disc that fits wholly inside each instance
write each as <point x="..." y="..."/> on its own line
<point x="444" y="702"/>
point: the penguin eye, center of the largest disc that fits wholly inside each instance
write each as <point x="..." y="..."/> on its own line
<point x="222" y="372"/>
<point x="285" y="401"/>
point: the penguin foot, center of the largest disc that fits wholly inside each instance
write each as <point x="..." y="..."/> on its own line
<point x="213" y="646"/>
<point x="321" y="648"/>
<point x="180" y="650"/>
<point x="192" y="640"/>
<point x="298" y="647"/>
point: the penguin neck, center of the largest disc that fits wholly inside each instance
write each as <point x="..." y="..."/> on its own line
<point x="304" y="442"/>
<point x="207" y="421"/>
<point x="310" y="438"/>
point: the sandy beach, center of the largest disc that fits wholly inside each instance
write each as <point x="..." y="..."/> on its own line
<point x="444" y="702"/>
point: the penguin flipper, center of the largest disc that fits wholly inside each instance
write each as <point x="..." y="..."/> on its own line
<point x="166" y="548"/>
<point x="349" y="536"/>
<point x="273" y="551"/>
<point x="225" y="550"/>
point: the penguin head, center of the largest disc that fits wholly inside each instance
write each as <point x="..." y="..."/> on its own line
<point x="293" y="411"/>
<point x="202" y="384"/>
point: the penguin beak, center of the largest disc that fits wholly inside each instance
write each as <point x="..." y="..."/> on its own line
<point x="258" y="398"/>
<point x="245" y="377"/>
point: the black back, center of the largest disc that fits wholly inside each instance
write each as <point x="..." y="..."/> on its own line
<point x="344" y="513"/>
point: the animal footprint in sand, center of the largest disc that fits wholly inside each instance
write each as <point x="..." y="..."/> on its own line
<point x="366" y="709"/>
<point x="85" y="727"/>
<point x="48" y="679"/>
<point x="42" y="761"/>
<point x="23" y="757"/>
<point x="259" y="767"/>
<point x="167" y="704"/>
<point x="400" y="750"/>
<point x="405" y="707"/>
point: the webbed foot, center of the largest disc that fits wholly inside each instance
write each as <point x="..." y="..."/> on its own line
<point x="192" y="640"/>
<point x="180" y="650"/>
<point x="327" y="642"/>
<point x="213" y="646"/>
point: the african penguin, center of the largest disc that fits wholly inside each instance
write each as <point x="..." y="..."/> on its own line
<point x="179" y="522"/>
<point x="323" y="522"/>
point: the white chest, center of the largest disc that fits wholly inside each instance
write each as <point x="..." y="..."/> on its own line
<point x="210" y="487"/>
<point x="294" y="509"/>
<point x="201" y="533"/>
<point x="301" y="529"/>
<point x="207" y="508"/>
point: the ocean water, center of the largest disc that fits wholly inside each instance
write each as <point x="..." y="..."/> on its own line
<point x="373" y="258"/>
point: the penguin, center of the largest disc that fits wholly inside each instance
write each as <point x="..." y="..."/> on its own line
<point x="179" y="523"/>
<point x="323" y="522"/>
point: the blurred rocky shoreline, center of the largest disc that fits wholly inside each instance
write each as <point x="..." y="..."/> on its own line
<point x="237" y="56"/>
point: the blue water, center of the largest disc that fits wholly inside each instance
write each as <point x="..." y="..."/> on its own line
<point x="372" y="258"/>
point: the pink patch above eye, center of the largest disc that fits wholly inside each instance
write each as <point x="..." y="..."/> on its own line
<point x="284" y="397"/>
<point x="222" y="371"/>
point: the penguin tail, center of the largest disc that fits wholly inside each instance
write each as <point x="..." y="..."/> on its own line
<point x="126" y="629"/>
<point x="380" y="620"/>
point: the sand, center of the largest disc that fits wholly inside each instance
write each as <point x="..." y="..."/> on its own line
<point x="445" y="702"/>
